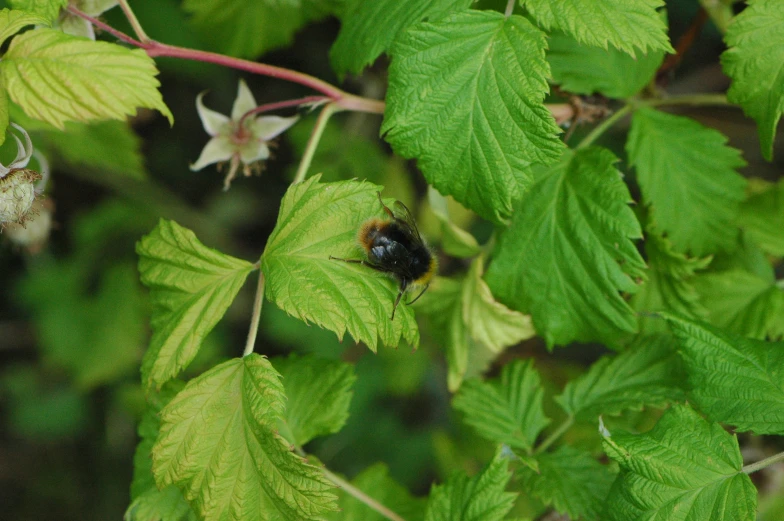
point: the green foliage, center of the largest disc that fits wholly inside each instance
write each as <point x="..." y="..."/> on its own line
<point x="626" y="24"/>
<point x="648" y="373"/>
<point x="582" y="69"/>
<point x="568" y="252"/>
<point x="376" y="482"/>
<point x="148" y="503"/>
<point x="191" y="287"/>
<point x="762" y="216"/>
<point x="465" y="99"/>
<point x="670" y="285"/>
<point x="475" y="328"/>
<point x="56" y="78"/>
<point x="508" y="410"/>
<point x="733" y="380"/>
<point x="218" y="444"/>
<point x="570" y="480"/>
<point x="753" y="62"/>
<point x="687" y="175"/>
<point x="668" y="475"/>
<point x="318" y="395"/>
<point x="481" y="498"/>
<point x="369" y="28"/>
<point x="12" y="21"/>
<point x="47" y="9"/>
<point x="246" y="28"/>
<point x="318" y="220"/>
<point x="743" y="303"/>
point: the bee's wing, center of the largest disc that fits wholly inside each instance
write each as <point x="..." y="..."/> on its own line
<point x="403" y="215"/>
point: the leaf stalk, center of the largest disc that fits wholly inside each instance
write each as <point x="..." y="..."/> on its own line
<point x="313" y="141"/>
<point x="254" y="322"/>
<point x="754" y="467"/>
<point x="553" y="437"/>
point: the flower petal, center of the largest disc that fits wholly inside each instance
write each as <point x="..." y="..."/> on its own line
<point x="217" y="149"/>
<point x="23" y="151"/>
<point x="244" y="102"/>
<point x="256" y="151"/>
<point x="213" y="122"/>
<point x="267" y="127"/>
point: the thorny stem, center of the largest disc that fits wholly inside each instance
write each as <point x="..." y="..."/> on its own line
<point x="254" y="322"/>
<point x="137" y="27"/>
<point x="315" y="137"/>
<point x="754" y="467"/>
<point x="553" y="437"/>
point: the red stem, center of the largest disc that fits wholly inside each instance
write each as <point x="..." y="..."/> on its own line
<point x="155" y="49"/>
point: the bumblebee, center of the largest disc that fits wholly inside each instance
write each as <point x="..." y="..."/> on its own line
<point x="394" y="246"/>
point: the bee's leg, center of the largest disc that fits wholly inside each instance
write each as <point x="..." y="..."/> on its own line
<point x="352" y="261"/>
<point x="397" y="301"/>
<point x="420" y="294"/>
<point x="386" y="208"/>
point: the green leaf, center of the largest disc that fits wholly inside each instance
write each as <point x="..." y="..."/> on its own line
<point x="670" y="285"/>
<point x="218" y="444"/>
<point x="570" y="480"/>
<point x="70" y="310"/>
<point x="317" y="220"/>
<point x="376" y="482"/>
<point x="753" y="62"/>
<point x="11" y="22"/>
<point x="648" y="373"/>
<point x="318" y="396"/>
<point x="568" y="252"/>
<point x="762" y="216"/>
<point x="465" y="98"/>
<point x="246" y="28"/>
<point x="733" y="379"/>
<point x="4" y="112"/>
<point x="588" y="70"/>
<point x="56" y="78"/>
<point x="508" y="410"/>
<point x="191" y="287"/>
<point x="743" y="303"/>
<point x="481" y="498"/>
<point x="684" y="469"/>
<point x="105" y="146"/>
<point x="149" y="503"/>
<point x="474" y="328"/>
<point x="687" y="174"/>
<point x="49" y="10"/>
<point x="368" y="28"/>
<point x="626" y="24"/>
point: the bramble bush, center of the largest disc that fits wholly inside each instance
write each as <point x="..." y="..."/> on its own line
<point x="573" y="197"/>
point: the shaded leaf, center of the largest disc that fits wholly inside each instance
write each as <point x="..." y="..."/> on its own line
<point x="569" y="252"/>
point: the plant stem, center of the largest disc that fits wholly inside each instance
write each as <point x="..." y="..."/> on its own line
<point x="557" y="433"/>
<point x="687" y="99"/>
<point x="155" y="49"/>
<point x="604" y="126"/>
<point x="361" y="496"/>
<point x="313" y="141"/>
<point x="510" y="5"/>
<point x="754" y="467"/>
<point x="254" y="322"/>
<point x="137" y="27"/>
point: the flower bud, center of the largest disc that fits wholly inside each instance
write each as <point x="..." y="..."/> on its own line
<point x="17" y="193"/>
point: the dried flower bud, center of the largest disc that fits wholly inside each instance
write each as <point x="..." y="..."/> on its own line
<point x="17" y="193"/>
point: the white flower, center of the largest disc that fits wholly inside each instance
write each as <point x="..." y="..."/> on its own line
<point x="239" y="140"/>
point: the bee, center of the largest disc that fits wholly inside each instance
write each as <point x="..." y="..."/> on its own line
<point x="394" y="246"/>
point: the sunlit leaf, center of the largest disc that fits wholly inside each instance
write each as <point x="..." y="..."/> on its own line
<point x="191" y="287"/>
<point x="317" y="220"/>
<point x="218" y="444"/>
